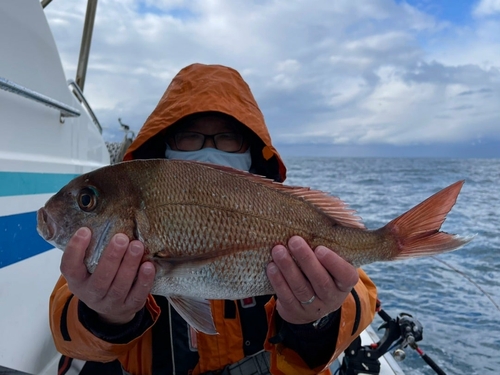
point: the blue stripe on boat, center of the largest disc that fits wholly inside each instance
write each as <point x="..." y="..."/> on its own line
<point x="19" y="239"/>
<point x="24" y="183"/>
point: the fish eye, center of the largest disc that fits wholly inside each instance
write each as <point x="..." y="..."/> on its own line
<point x="87" y="199"/>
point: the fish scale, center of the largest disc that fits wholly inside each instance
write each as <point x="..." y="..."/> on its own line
<point x="210" y="229"/>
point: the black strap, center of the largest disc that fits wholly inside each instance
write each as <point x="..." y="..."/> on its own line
<point x="357" y="318"/>
<point x="185" y="359"/>
<point x="64" y="320"/>
<point x="162" y="358"/>
<point x="254" y="325"/>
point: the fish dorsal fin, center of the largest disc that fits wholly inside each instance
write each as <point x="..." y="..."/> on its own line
<point x="196" y="312"/>
<point x="332" y="206"/>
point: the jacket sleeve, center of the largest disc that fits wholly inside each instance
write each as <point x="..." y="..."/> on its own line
<point x="74" y="340"/>
<point x="356" y="314"/>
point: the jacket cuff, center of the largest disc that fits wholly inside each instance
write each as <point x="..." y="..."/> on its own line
<point x="114" y="333"/>
<point x="74" y="340"/>
<point x="284" y="360"/>
<point x="356" y="314"/>
<point x="322" y="327"/>
<point x="313" y="342"/>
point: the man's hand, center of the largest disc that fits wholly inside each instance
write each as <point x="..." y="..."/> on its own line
<point x="113" y="290"/>
<point x="309" y="283"/>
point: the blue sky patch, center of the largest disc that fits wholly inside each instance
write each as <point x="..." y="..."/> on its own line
<point x="144" y="7"/>
<point x="457" y="12"/>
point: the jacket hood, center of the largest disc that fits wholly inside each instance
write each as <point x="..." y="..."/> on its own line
<point x="209" y="88"/>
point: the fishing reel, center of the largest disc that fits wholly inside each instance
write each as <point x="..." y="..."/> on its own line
<point x="411" y="333"/>
<point x="399" y="333"/>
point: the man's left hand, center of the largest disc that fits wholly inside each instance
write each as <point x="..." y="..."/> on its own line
<point x="309" y="283"/>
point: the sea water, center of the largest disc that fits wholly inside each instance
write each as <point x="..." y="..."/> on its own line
<point x="461" y="324"/>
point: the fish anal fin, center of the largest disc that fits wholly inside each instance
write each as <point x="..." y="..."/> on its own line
<point x="417" y="231"/>
<point x="196" y="312"/>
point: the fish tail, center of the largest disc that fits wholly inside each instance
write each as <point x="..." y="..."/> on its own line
<point x="417" y="231"/>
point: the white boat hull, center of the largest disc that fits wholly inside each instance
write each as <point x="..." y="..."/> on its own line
<point x="38" y="155"/>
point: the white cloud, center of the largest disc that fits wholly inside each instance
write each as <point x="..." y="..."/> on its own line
<point x="359" y="72"/>
<point x="487" y="8"/>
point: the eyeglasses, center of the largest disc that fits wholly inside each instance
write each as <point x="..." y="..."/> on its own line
<point x="194" y="141"/>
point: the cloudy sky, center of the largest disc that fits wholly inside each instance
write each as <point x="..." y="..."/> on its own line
<point x="343" y="77"/>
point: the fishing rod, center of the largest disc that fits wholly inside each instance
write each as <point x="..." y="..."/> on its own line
<point x="400" y="332"/>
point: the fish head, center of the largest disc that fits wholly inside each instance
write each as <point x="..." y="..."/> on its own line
<point x="92" y="200"/>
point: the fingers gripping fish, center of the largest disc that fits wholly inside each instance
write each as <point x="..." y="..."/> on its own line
<point x="210" y="229"/>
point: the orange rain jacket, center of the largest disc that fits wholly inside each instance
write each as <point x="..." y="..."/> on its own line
<point x="205" y="88"/>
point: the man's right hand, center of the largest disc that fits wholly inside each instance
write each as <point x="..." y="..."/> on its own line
<point x="113" y="290"/>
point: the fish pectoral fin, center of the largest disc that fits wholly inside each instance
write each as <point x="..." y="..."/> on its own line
<point x="141" y="226"/>
<point x="196" y="312"/>
<point x="185" y="266"/>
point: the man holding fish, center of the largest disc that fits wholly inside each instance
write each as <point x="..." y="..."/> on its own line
<point x="320" y="303"/>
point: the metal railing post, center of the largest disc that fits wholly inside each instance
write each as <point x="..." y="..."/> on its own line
<point x="88" y="27"/>
<point x="79" y="95"/>
<point x="45" y="3"/>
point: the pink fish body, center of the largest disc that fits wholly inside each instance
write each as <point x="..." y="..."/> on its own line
<point x="210" y="229"/>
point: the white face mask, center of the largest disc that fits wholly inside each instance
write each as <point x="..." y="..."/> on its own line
<point x="241" y="161"/>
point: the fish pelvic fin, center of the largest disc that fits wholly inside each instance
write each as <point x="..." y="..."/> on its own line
<point x="417" y="231"/>
<point x="196" y="312"/>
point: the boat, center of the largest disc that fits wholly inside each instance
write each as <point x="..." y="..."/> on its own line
<point x="49" y="136"/>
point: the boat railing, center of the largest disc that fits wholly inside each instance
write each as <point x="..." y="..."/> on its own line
<point x="44" y="3"/>
<point x="76" y="86"/>
<point x="65" y="110"/>
<point x="79" y="95"/>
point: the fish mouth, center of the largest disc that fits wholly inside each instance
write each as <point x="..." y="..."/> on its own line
<point x="46" y="227"/>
